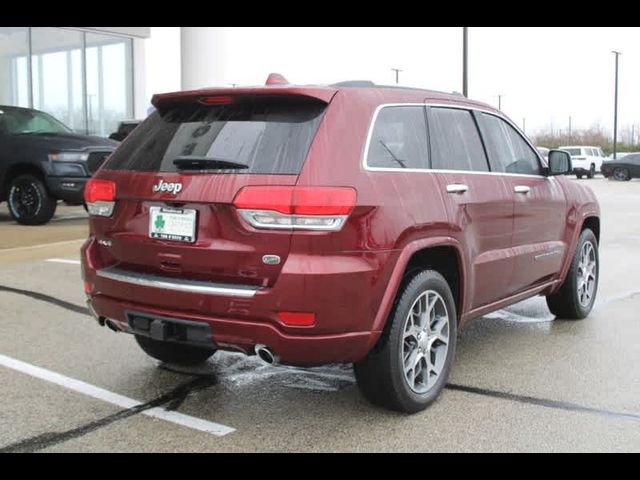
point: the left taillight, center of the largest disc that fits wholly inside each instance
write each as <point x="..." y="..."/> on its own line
<point x="296" y="208"/>
<point x="100" y="197"/>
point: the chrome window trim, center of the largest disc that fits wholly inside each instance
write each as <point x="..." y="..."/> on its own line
<point x="189" y="286"/>
<point x="470" y="108"/>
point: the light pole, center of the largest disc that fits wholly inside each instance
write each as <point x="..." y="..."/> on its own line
<point x="465" y="61"/>
<point x="500" y="101"/>
<point x="397" y="70"/>
<point x="615" y="109"/>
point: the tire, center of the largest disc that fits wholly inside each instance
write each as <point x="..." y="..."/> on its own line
<point x="175" y="353"/>
<point x="381" y="375"/>
<point x="592" y="172"/>
<point x="568" y="303"/>
<point x="621" y="175"/>
<point x="29" y="202"/>
<point x="579" y="177"/>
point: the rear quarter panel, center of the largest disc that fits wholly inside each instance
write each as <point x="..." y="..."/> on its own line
<point x="394" y="209"/>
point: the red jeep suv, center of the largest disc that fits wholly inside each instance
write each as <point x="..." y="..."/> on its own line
<point x="332" y="224"/>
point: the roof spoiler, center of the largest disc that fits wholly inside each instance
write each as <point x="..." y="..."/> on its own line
<point x="218" y="96"/>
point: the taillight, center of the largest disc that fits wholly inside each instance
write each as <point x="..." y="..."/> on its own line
<point x="100" y="197"/>
<point x="298" y="208"/>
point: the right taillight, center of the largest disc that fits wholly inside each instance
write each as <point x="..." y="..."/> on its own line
<point x="100" y="197"/>
<point x="296" y="208"/>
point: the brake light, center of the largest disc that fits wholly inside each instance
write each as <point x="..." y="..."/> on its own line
<point x="218" y="100"/>
<point x="100" y="196"/>
<point x="300" y="208"/>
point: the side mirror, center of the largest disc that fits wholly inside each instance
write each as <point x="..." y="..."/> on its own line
<point x="559" y="163"/>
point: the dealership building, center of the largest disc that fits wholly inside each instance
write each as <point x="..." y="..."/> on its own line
<point x="91" y="78"/>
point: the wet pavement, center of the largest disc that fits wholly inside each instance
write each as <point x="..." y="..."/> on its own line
<point x="522" y="381"/>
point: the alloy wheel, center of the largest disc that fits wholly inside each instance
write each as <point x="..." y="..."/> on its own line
<point x="587" y="274"/>
<point x="620" y="174"/>
<point x="425" y="342"/>
<point x="25" y="199"/>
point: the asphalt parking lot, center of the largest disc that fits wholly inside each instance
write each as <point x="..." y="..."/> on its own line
<point x="521" y="380"/>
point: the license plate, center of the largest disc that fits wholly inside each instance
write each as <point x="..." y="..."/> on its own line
<point x="174" y="224"/>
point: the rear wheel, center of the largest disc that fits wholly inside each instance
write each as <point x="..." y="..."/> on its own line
<point x="29" y="202"/>
<point x="174" y="352"/>
<point x="621" y="175"/>
<point x="409" y="367"/>
<point x="577" y="295"/>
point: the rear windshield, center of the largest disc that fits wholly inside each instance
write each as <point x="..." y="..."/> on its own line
<point x="267" y="135"/>
<point x="574" y="152"/>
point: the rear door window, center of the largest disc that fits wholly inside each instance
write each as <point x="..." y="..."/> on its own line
<point x="399" y="139"/>
<point x="508" y="151"/>
<point x="455" y="141"/>
<point x="264" y="135"/>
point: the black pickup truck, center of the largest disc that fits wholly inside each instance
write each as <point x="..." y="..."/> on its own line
<point x="43" y="161"/>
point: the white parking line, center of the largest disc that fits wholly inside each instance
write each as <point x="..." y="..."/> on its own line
<point x="114" y="398"/>
<point x="42" y="245"/>
<point x="63" y="260"/>
<point x="70" y="216"/>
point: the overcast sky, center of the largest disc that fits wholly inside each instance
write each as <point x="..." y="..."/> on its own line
<point x="546" y="74"/>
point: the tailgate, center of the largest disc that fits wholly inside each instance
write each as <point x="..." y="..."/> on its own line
<point x="176" y="218"/>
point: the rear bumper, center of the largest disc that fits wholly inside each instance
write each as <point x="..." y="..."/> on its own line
<point x="243" y="335"/>
<point x="344" y="293"/>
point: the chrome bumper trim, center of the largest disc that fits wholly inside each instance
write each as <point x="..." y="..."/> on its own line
<point x="190" y="286"/>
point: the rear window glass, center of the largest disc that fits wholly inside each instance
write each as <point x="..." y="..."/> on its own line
<point x="267" y="135"/>
<point x="456" y="142"/>
<point x="399" y="139"/>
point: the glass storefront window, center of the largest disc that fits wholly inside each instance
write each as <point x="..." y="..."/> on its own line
<point x="83" y="79"/>
<point x="109" y="82"/>
<point x="14" y="69"/>
<point x="56" y="70"/>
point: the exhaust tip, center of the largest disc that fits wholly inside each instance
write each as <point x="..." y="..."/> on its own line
<point x="112" y="326"/>
<point x="266" y="355"/>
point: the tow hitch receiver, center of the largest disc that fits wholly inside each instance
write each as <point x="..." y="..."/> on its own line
<point x="165" y="329"/>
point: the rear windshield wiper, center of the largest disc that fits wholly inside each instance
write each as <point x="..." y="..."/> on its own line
<point x="402" y="163"/>
<point x="207" y="163"/>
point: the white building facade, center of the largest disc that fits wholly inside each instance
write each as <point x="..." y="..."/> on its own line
<point x="91" y="78"/>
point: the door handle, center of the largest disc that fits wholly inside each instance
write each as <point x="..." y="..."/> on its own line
<point x="457" y="188"/>
<point x="524" y="190"/>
